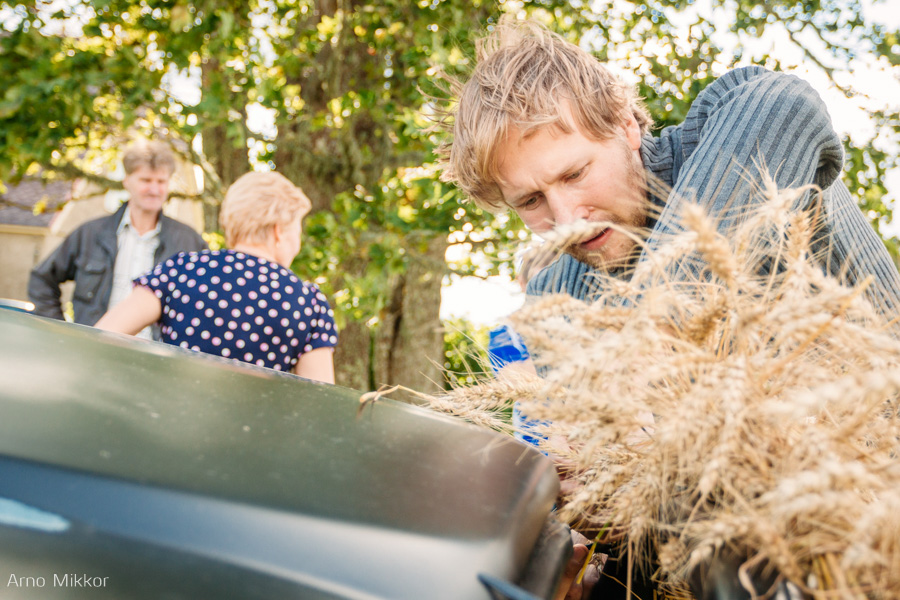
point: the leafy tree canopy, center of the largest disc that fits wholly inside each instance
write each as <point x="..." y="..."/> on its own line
<point x="346" y="88"/>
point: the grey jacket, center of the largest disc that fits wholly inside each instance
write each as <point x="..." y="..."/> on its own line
<point x="88" y="256"/>
<point x="747" y="121"/>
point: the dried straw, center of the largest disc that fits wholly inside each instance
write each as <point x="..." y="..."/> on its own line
<point x="773" y="390"/>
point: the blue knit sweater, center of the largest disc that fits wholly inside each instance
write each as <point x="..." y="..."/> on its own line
<point x="748" y="121"/>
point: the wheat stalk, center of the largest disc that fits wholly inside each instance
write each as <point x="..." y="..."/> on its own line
<point x="773" y="389"/>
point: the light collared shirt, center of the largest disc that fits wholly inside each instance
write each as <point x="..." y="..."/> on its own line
<point x="134" y="258"/>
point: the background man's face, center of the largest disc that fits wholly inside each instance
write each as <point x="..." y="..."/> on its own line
<point x="149" y="188"/>
<point x="551" y="178"/>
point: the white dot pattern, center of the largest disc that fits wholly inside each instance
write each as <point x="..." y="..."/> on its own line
<point x="271" y="321"/>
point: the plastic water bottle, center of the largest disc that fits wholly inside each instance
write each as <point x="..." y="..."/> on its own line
<point x="505" y="347"/>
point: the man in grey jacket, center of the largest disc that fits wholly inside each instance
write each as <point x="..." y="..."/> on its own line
<point x="103" y="256"/>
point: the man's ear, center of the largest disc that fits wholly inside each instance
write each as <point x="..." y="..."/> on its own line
<point x="632" y="131"/>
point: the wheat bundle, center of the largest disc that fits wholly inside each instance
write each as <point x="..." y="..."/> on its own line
<point x="728" y="395"/>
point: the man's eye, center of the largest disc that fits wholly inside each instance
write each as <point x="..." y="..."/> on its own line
<point x="575" y="175"/>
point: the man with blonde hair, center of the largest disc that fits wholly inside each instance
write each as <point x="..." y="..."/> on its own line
<point x="544" y="128"/>
<point x="104" y="255"/>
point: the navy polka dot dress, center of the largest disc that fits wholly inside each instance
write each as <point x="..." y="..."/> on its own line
<point x="240" y="306"/>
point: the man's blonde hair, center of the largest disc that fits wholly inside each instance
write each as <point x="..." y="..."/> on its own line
<point x="152" y="154"/>
<point x="523" y="76"/>
<point x="256" y="202"/>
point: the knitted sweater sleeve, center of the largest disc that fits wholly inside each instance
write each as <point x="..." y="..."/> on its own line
<point x="751" y="124"/>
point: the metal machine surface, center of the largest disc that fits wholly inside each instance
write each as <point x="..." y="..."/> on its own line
<point x="146" y="471"/>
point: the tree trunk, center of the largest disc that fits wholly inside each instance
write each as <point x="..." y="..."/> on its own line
<point x="409" y="348"/>
<point x="327" y="161"/>
<point x="228" y="156"/>
<point x="352" y="357"/>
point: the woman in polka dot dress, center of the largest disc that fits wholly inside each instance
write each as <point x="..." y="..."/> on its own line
<point x="242" y="303"/>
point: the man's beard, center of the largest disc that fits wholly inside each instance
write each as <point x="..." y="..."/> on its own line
<point x="621" y="250"/>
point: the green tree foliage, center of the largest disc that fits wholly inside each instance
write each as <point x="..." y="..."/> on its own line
<point x="342" y="83"/>
<point x="346" y="87"/>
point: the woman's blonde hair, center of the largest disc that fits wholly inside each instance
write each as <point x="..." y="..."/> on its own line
<point x="256" y="202"/>
<point x="523" y="76"/>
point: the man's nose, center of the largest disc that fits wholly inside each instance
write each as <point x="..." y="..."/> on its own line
<point x="566" y="209"/>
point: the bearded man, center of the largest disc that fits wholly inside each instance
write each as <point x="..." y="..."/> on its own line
<point x="544" y="128"/>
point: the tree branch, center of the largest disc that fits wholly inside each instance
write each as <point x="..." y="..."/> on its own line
<point x="4" y="201"/>
<point x="829" y="71"/>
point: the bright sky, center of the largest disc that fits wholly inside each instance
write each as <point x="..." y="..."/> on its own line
<point x="488" y="301"/>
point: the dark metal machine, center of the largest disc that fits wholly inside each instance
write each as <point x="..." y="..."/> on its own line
<point x="132" y="469"/>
